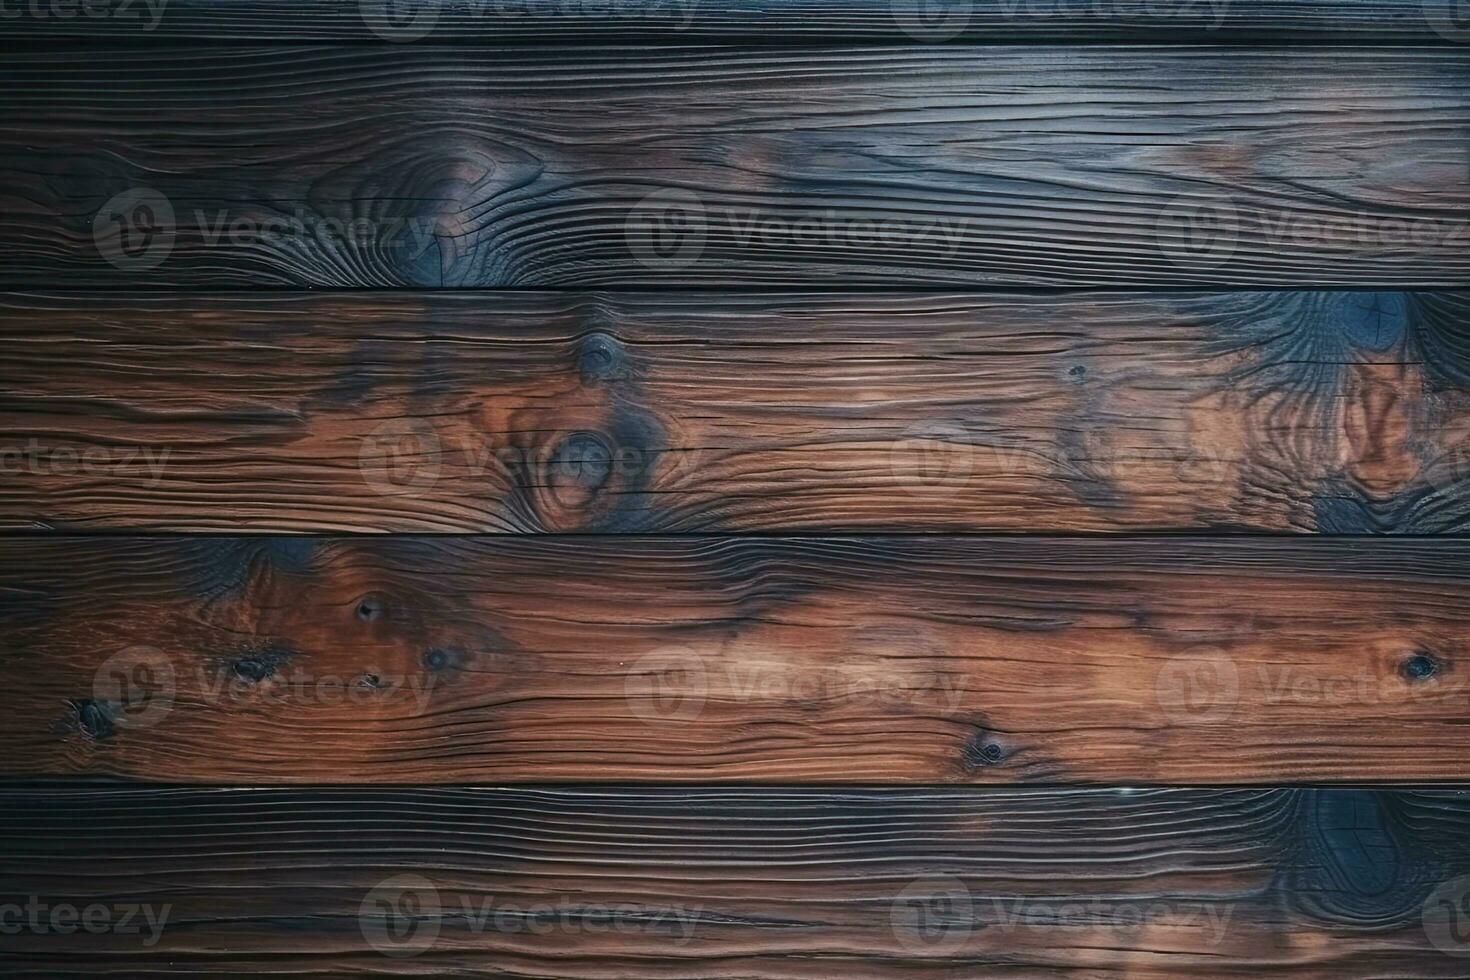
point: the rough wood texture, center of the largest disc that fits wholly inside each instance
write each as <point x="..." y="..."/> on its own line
<point x="702" y="883"/>
<point x="1335" y="412"/>
<point x="897" y="659"/>
<point x="756" y="22"/>
<point x="378" y="165"/>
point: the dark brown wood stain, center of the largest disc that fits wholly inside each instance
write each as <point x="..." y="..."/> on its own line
<point x="740" y="490"/>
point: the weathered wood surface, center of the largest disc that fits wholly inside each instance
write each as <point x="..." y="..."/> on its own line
<point x="860" y="660"/>
<point x="749" y="22"/>
<point x="676" y="883"/>
<point x="1332" y="412"/>
<point x="377" y="165"/>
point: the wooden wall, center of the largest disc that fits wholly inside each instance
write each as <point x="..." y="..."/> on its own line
<point x="735" y="489"/>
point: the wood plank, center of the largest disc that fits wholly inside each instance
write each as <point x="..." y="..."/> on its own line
<point x="897" y="659"/>
<point x="1333" y="412"/>
<point x="683" y="883"/>
<point x="750" y="22"/>
<point x="421" y="165"/>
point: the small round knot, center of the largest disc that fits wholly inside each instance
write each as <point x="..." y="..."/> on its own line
<point x="95" y="719"/>
<point x="253" y="669"/>
<point x="437" y="658"/>
<point x="583" y="460"/>
<point x="1420" y="667"/>
<point x="599" y="358"/>
<point x="370" y="608"/>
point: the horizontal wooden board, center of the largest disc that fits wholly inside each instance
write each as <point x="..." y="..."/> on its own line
<point x="1333" y="412"/>
<point x="748" y="22"/>
<point x="377" y="165"/>
<point x="897" y="659"/>
<point x="663" y="883"/>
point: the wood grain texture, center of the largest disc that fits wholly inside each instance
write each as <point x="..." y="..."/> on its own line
<point x="750" y="22"/>
<point x="704" y="883"/>
<point x="379" y="165"/>
<point x="1330" y="412"/>
<point x="894" y="660"/>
